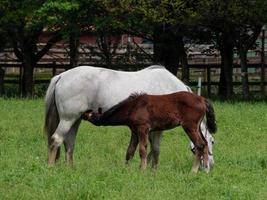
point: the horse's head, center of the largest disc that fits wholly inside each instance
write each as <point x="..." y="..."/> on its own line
<point x="210" y="141"/>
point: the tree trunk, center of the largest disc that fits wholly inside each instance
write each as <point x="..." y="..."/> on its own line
<point x="74" y="43"/>
<point x="244" y="73"/>
<point x="27" y="81"/>
<point x="104" y="44"/>
<point x="226" y="75"/>
<point x="2" y="76"/>
<point x="184" y="61"/>
<point x="27" y="76"/>
<point x="25" y="49"/>
<point x="166" y="50"/>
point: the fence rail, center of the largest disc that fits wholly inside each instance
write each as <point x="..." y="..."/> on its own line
<point x="205" y="70"/>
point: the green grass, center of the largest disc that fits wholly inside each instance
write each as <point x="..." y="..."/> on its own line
<point x="100" y="173"/>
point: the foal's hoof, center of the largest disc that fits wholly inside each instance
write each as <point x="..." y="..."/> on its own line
<point x="194" y="171"/>
<point x="207" y="170"/>
<point x="142" y="167"/>
<point x="49" y="164"/>
<point x="154" y="168"/>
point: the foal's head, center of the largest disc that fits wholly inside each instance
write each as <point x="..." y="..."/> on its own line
<point x="92" y="116"/>
<point x="210" y="141"/>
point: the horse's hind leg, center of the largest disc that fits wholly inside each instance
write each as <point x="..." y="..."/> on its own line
<point x="57" y="139"/>
<point x="69" y="142"/>
<point x="132" y="147"/>
<point x="150" y="154"/>
<point x="58" y="154"/>
<point x="154" y="138"/>
<point x="49" y="153"/>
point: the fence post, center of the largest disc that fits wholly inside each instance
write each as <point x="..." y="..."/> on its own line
<point x="54" y="69"/>
<point x="199" y="86"/>
<point x="262" y="61"/>
<point x="20" y="79"/>
<point x="2" y="76"/>
<point x="208" y="80"/>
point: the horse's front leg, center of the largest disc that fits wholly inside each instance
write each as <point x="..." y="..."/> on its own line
<point x="132" y="146"/>
<point x="143" y="138"/>
<point x="195" y="136"/>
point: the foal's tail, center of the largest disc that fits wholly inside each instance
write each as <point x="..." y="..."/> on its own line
<point x="51" y="112"/>
<point x="210" y="115"/>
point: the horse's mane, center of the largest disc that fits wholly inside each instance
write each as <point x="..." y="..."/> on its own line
<point x="155" y="67"/>
<point x="105" y="116"/>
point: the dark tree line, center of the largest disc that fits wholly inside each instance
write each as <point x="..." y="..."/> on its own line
<point x="229" y="25"/>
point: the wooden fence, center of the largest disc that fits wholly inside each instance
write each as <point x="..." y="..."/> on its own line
<point x="207" y="67"/>
<point x="208" y="72"/>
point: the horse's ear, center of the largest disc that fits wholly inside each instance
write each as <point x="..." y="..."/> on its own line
<point x="100" y="110"/>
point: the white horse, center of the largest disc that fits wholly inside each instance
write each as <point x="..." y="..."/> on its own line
<point x="75" y="91"/>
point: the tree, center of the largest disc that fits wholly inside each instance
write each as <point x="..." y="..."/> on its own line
<point x="72" y="18"/>
<point x="3" y="44"/>
<point x="165" y="23"/>
<point x="250" y="16"/>
<point x="24" y="27"/>
<point x="216" y="17"/>
<point x="232" y="24"/>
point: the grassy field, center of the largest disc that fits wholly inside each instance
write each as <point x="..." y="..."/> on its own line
<point x="100" y="173"/>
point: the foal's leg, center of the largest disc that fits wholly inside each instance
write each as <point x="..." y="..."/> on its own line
<point x="132" y="146"/>
<point x="154" y="138"/>
<point x="69" y="142"/>
<point x="194" y="135"/>
<point x="143" y="137"/>
<point x="201" y="154"/>
<point x="57" y="139"/>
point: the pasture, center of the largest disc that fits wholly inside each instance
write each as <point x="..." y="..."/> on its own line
<point x="99" y="171"/>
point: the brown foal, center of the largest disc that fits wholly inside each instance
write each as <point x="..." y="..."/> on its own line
<point x="143" y="113"/>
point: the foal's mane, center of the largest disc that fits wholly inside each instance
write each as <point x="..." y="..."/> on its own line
<point x="116" y="107"/>
<point x="134" y="96"/>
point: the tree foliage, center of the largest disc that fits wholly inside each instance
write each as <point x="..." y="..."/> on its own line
<point x="22" y="25"/>
<point x="230" y="25"/>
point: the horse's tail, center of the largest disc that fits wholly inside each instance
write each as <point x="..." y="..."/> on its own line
<point x="210" y="115"/>
<point x="51" y="112"/>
